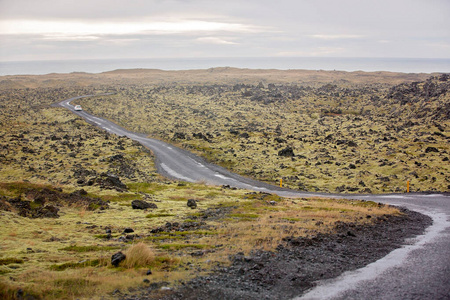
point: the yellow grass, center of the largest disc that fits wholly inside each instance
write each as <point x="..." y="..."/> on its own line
<point x="138" y="255"/>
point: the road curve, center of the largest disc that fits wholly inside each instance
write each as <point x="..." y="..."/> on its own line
<point x="418" y="270"/>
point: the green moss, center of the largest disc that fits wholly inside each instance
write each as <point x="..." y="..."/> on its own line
<point x="105" y="236"/>
<point x="160" y="215"/>
<point x="212" y="194"/>
<point x="165" y="263"/>
<point x="73" y="286"/>
<point x="74" y="265"/>
<point x="4" y="271"/>
<point x="205" y="232"/>
<point x="196" y="214"/>
<point x="182" y="246"/>
<point x="244" y="216"/>
<point x="89" y="248"/>
<point x="307" y="207"/>
<point x="8" y="261"/>
<point x="146" y="187"/>
<point x="174" y="234"/>
<point x="122" y="197"/>
<point x="15" y="189"/>
<point x="292" y="219"/>
<point x="163" y="237"/>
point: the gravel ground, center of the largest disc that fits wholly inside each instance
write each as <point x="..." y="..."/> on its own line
<point x="297" y="264"/>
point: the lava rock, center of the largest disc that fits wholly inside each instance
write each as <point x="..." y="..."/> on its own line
<point x="287" y="152"/>
<point x="140" y="204"/>
<point x="117" y="258"/>
<point x="431" y="149"/>
<point x="179" y="135"/>
<point x="48" y="211"/>
<point x="192" y="203"/>
<point x="200" y="136"/>
<point x="109" y="181"/>
<point x="128" y="230"/>
<point x="340" y="189"/>
<point x="352" y="144"/>
<point x="116" y="157"/>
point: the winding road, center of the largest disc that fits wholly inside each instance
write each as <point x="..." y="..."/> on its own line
<point x="418" y="270"/>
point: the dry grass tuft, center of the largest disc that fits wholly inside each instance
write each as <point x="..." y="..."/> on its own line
<point x="138" y="255"/>
<point x="6" y="291"/>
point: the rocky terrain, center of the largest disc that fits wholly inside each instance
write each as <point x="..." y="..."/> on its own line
<point x="297" y="264"/>
<point x="74" y="199"/>
<point x="51" y="145"/>
<point x="43" y="203"/>
<point x="329" y="137"/>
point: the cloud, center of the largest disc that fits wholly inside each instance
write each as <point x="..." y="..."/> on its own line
<point x="336" y="36"/>
<point x="214" y="40"/>
<point x="191" y="28"/>
<point x="65" y="38"/>
<point x="80" y="28"/>
<point x="319" y="51"/>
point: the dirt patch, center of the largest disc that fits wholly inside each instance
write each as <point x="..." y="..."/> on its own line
<point x="298" y="262"/>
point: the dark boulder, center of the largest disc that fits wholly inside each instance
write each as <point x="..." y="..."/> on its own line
<point x="287" y="152"/>
<point x="140" y="204"/>
<point x="109" y="181"/>
<point x="116" y="157"/>
<point x="431" y="149"/>
<point x="48" y="211"/>
<point x="340" y="189"/>
<point x="117" y="258"/>
<point x="40" y="200"/>
<point x="79" y="193"/>
<point x="200" y="136"/>
<point x="179" y="136"/>
<point x="128" y="230"/>
<point x="384" y="179"/>
<point x="352" y="144"/>
<point x="192" y="203"/>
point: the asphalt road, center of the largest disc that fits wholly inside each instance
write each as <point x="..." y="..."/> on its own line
<point x="418" y="270"/>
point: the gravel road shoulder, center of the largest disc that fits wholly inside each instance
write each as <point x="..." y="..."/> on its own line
<point x="298" y="263"/>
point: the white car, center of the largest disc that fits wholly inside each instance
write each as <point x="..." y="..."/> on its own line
<point x="78" y="107"/>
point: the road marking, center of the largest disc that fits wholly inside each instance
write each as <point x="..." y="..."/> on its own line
<point x="175" y="174"/>
<point x="222" y="177"/>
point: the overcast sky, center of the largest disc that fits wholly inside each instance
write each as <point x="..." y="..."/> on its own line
<point x="93" y="29"/>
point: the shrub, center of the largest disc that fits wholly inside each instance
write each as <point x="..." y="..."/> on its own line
<point x="138" y="255"/>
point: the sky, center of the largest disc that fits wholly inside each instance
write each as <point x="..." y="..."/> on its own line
<point x="125" y="29"/>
